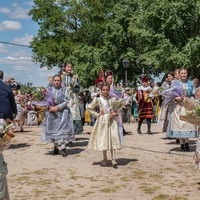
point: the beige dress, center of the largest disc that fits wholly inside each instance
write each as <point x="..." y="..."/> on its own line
<point x="105" y="135"/>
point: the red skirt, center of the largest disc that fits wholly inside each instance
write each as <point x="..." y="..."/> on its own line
<point x="146" y="111"/>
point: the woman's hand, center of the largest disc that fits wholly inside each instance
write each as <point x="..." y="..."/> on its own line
<point x="53" y="108"/>
<point x="101" y="113"/>
<point x="179" y="99"/>
<point x="113" y="114"/>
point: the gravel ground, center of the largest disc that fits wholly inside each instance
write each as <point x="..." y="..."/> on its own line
<point x="151" y="167"/>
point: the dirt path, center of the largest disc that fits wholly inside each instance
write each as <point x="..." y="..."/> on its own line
<point x="150" y="168"/>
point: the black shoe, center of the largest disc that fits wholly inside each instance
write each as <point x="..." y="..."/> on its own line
<point x="139" y="131"/>
<point x="183" y="147"/>
<point x="177" y="141"/>
<point x="55" y="151"/>
<point x="71" y="144"/>
<point x="63" y="152"/>
<point x="187" y="147"/>
<point x="149" y="132"/>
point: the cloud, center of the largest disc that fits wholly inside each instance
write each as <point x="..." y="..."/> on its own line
<point x="16" y="12"/>
<point x="23" y="68"/>
<point x="5" y="10"/>
<point x="10" y="25"/>
<point x="3" y="48"/>
<point x="20" y="13"/>
<point x="23" y="40"/>
<point x="16" y="59"/>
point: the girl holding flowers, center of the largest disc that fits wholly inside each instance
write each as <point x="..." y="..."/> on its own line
<point x="58" y="124"/>
<point x="176" y="127"/>
<point x="105" y="135"/>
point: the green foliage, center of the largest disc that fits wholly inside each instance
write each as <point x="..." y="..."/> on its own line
<point x="155" y="35"/>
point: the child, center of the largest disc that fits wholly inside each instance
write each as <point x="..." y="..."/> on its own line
<point x="105" y="135"/>
<point x="145" y="105"/>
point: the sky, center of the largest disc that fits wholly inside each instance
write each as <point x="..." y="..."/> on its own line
<point x="17" y="27"/>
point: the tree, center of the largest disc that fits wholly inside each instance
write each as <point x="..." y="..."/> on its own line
<point x="168" y="32"/>
<point x="155" y="35"/>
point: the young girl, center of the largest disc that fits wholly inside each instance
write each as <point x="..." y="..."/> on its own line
<point x="105" y="135"/>
<point x="58" y="125"/>
<point x="176" y="127"/>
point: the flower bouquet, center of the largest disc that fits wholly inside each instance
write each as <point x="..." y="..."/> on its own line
<point x="190" y="103"/>
<point x="192" y="116"/>
<point x="176" y="90"/>
<point x="6" y="134"/>
<point x="45" y="98"/>
<point x="116" y="105"/>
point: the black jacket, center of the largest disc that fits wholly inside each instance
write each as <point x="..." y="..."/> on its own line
<point x="7" y="102"/>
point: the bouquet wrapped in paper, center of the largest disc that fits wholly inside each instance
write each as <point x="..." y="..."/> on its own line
<point x="176" y="90"/>
<point x="116" y="93"/>
<point x="117" y="105"/>
<point x="45" y="98"/>
<point x="6" y="134"/>
<point x="192" y="112"/>
<point x="190" y="103"/>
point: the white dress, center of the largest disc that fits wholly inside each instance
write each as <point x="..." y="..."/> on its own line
<point x="106" y="134"/>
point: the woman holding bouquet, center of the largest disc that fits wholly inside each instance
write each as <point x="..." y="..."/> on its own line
<point x="105" y="135"/>
<point x="178" y="128"/>
<point x="167" y="105"/>
<point x="118" y="94"/>
<point x="58" y="124"/>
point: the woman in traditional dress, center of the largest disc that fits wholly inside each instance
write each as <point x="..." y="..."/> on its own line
<point x="58" y="124"/>
<point x="105" y="135"/>
<point x="178" y="128"/>
<point x="118" y="94"/>
<point x="21" y="108"/>
<point x="167" y="106"/>
<point x="134" y="106"/>
<point x="71" y="82"/>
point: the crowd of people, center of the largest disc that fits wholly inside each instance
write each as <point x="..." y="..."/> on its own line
<point x="106" y="105"/>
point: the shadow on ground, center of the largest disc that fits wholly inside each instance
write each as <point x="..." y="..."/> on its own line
<point x="81" y="138"/>
<point x="71" y="151"/>
<point x="17" y="146"/>
<point x="120" y="161"/>
<point x="178" y="148"/>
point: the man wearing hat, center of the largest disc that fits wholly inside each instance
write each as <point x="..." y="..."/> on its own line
<point x="145" y="105"/>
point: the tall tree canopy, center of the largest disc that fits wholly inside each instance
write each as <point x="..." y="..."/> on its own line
<point x="155" y="35"/>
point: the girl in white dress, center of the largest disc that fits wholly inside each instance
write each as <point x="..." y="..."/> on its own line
<point x="105" y="135"/>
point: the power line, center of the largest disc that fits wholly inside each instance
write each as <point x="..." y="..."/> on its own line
<point x="11" y="43"/>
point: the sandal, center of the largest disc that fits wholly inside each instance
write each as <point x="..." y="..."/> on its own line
<point x="114" y="163"/>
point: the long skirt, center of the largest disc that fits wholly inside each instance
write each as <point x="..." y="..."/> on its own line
<point x="87" y="117"/>
<point x="105" y="135"/>
<point x="146" y="111"/>
<point x="58" y="127"/>
<point x="178" y="128"/>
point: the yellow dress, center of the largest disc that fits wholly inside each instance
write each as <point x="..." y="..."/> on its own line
<point x="105" y="134"/>
<point x="87" y="117"/>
